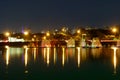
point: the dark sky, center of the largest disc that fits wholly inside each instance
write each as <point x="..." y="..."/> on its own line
<point x="48" y="14"/>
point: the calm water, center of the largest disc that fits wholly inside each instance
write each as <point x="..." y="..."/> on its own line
<point x="59" y="63"/>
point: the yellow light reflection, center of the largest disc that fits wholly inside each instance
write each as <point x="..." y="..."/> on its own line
<point x="55" y="55"/>
<point x="48" y="57"/>
<point x="44" y="53"/>
<point x="84" y="54"/>
<point x="114" y="60"/>
<point x="63" y="56"/>
<point x="78" y="48"/>
<point x="96" y="52"/>
<point x="34" y="54"/>
<point x="7" y="55"/>
<point x="26" y="56"/>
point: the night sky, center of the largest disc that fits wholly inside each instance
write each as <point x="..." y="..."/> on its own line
<point x="40" y="15"/>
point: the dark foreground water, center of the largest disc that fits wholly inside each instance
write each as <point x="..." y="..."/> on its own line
<point x="59" y="63"/>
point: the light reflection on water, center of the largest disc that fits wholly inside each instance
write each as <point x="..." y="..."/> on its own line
<point x="7" y="55"/>
<point x="63" y="56"/>
<point x="26" y="56"/>
<point x="55" y="56"/>
<point x="76" y="57"/>
<point x="67" y="53"/>
<point x="115" y="60"/>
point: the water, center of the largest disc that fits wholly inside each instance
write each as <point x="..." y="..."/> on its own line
<point x="17" y="63"/>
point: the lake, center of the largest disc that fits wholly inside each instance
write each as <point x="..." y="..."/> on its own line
<point x="18" y="63"/>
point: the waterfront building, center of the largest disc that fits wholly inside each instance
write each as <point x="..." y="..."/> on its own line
<point x="96" y="43"/>
<point x="71" y="42"/>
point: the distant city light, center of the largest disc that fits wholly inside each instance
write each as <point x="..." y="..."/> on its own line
<point x="7" y="34"/>
<point x="114" y="30"/>
<point x="26" y="33"/>
<point x="78" y="31"/>
<point x="47" y="34"/>
<point x="44" y="37"/>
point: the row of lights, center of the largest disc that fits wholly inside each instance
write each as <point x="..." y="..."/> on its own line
<point x="7" y="34"/>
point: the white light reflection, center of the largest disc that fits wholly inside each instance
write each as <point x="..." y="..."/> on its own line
<point x="63" y="56"/>
<point x="7" y="55"/>
<point x="78" y="48"/>
<point x="114" y="59"/>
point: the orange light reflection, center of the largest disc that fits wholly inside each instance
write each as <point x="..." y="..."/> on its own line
<point x="63" y="56"/>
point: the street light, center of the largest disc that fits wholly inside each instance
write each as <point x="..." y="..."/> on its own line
<point x="78" y="31"/>
<point x="114" y="30"/>
<point x="26" y="33"/>
<point x="7" y="34"/>
<point x="47" y="34"/>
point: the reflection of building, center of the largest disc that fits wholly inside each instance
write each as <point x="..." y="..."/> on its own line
<point x="46" y="55"/>
<point x="96" y="52"/>
<point x="14" y="51"/>
<point x="45" y="43"/>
